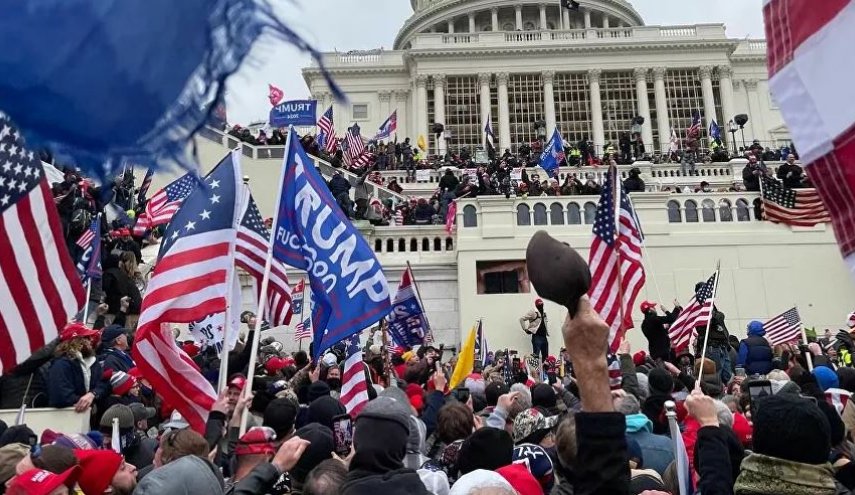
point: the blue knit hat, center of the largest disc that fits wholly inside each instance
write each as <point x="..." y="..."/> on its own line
<point x="826" y="377"/>
<point x="756" y="328"/>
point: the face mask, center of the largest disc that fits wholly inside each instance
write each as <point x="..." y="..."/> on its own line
<point x="334" y="383"/>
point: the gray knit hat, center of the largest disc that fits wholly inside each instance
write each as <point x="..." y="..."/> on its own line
<point x="388" y="409"/>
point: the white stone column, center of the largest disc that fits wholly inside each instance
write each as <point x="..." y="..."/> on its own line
<point x="543" y="26"/>
<point x="484" y="81"/>
<point x="451" y="26"/>
<point x="587" y="14"/>
<point x="565" y="18"/>
<point x="707" y="92"/>
<point x="494" y="18"/>
<point x="400" y="105"/>
<point x="518" y="9"/>
<point x="439" y="108"/>
<point x="421" y="105"/>
<point x="725" y="77"/>
<point x="596" y="110"/>
<point x="549" y="100"/>
<point x="385" y="98"/>
<point x="661" y="108"/>
<point x="472" y="23"/>
<point x="606" y="24"/>
<point x="644" y="107"/>
<point x="755" y="114"/>
<point x="504" y="112"/>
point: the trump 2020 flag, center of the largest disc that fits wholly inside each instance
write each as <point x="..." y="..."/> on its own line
<point x="407" y="324"/>
<point x="553" y="154"/>
<point x="311" y="233"/>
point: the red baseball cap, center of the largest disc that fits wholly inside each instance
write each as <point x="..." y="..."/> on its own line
<point x="538" y="302"/>
<point x="274" y="364"/>
<point x="42" y="482"/>
<point x="258" y="440"/>
<point x="74" y="330"/>
<point x="647" y="305"/>
<point x="239" y="382"/>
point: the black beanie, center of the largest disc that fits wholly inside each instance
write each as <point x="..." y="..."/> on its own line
<point x="320" y="448"/>
<point x="280" y="415"/>
<point x="317" y="389"/>
<point x="323" y="409"/>
<point x="792" y="428"/>
<point x="542" y="395"/>
<point x="493" y="391"/>
<point x="487" y="448"/>
<point x="660" y="382"/>
<point x="18" y="434"/>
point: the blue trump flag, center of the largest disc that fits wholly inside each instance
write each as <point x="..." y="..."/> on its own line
<point x="297" y="112"/>
<point x="553" y="154"/>
<point x="715" y="130"/>
<point x="311" y="233"/>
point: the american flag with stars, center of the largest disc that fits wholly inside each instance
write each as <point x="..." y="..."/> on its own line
<point x="784" y="328"/>
<point x="146" y="183"/>
<point x="696" y="314"/>
<point x="326" y="131"/>
<point x="39" y="286"/>
<point x="801" y="207"/>
<point x="89" y="263"/>
<point x="694" y="130"/>
<point x="615" y="259"/>
<point x="354" y="387"/>
<point x="356" y="155"/>
<point x="253" y="240"/>
<point x="190" y="281"/>
<point x="165" y="202"/>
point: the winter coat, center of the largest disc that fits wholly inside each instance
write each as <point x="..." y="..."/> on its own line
<point x="449" y="182"/>
<point x="755" y="353"/>
<point x="791" y="175"/>
<point x="116" y="284"/>
<point x="189" y="475"/>
<point x="116" y="360"/>
<point x="339" y="185"/>
<point x="653" y="328"/>
<point x="751" y="181"/>
<point x="634" y="184"/>
<point x="66" y="386"/>
<point x="398" y="482"/>
<point x="656" y="450"/>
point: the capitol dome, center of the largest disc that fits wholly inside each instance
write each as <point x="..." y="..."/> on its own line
<point x="453" y="16"/>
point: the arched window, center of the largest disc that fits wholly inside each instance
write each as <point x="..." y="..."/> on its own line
<point x="523" y="215"/>
<point x="414" y="245"/>
<point x="470" y="217"/>
<point x="390" y="245"/>
<point x="674" y="213"/>
<point x="378" y="245"/>
<point x="590" y="212"/>
<point x="437" y="244"/>
<point x="708" y="210"/>
<point x="556" y="214"/>
<point x="743" y="212"/>
<point x="449" y="244"/>
<point x="402" y="245"/>
<point x="528" y="26"/>
<point x="508" y="26"/>
<point x="425" y="244"/>
<point x="691" y="211"/>
<point x="539" y="214"/>
<point x="574" y="215"/>
<point x="725" y="211"/>
<point x="758" y="209"/>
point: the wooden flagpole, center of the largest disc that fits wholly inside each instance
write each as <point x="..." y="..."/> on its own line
<point x="227" y="323"/>
<point x="808" y="355"/>
<point x="709" y="321"/>
<point x="616" y="197"/>
<point x="418" y="295"/>
<point x="302" y="311"/>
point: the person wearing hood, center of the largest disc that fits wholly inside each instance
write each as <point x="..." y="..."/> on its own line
<point x="654" y="329"/>
<point x="656" y="450"/>
<point x="755" y="353"/>
<point x="380" y="439"/>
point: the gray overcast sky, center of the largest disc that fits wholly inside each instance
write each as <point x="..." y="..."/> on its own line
<point x="364" y="24"/>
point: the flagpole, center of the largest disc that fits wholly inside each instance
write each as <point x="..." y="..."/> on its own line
<point x="265" y="281"/>
<point x="808" y="355"/>
<point x="302" y="310"/>
<point x="647" y="254"/>
<point x="387" y="366"/>
<point x="88" y="295"/>
<point x="709" y="321"/>
<point x="616" y="197"/>
<point x="222" y="382"/>
<point x="418" y="295"/>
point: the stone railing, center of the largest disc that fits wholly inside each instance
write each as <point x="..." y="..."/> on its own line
<point x="424" y="244"/>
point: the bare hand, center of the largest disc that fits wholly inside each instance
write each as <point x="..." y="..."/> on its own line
<point x="243" y="402"/>
<point x="289" y="453"/>
<point x="222" y="403"/>
<point x="102" y="309"/>
<point x="124" y="304"/>
<point x="671" y="368"/>
<point x="702" y="408"/>
<point x="439" y="380"/>
<point x="624" y="347"/>
<point x="586" y="335"/>
<point x="84" y="402"/>
<point x="558" y="386"/>
<point x="315" y="374"/>
<point x="506" y="401"/>
<point x="346" y="460"/>
<point x="478" y="421"/>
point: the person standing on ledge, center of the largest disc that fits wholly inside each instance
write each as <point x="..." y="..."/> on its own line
<point x="534" y="324"/>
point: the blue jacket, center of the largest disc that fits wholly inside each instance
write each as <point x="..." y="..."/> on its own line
<point x="65" y="382"/>
<point x="116" y="360"/>
<point x="755" y="353"/>
<point x="656" y="450"/>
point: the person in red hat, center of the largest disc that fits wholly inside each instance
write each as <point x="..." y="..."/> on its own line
<point x="103" y="470"/>
<point x="75" y="376"/>
<point x="655" y="329"/>
<point x="43" y="482"/>
<point x="534" y="323"/>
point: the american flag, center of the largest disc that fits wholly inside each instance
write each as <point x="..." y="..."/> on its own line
<point x="86" y="238"/>
<point x="303" y="330"/>
<point x="694" y="130"/>
<point x="253" y="240"/>
<point x="480" y="343"/>
<point x="297" y="297"/>
<point x="615" y="259"/>
<point x="89" y="264"/>
<point x="806" y="41"/>
<point x="695" y="314"/>
<point x="274" y="94"/>
<point x="165" y="203"/>
<point x="489" y="137"/>
<point x="190" y="281"/>
<point x="784" y="328"/>
<point x="39" y="286"/>
<point x="326" y="136"/>
<point x="356" y="154"/>
<point x="146" y="183"/>
<point x="388" y="128"/>
<point x="354" y="388"/>
<point x="801" y="207"/>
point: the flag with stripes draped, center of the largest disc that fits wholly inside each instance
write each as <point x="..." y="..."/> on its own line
<point x="354" y="385"/>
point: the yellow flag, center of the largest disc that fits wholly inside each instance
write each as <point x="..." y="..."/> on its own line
<point x="422" y="143"/>
<point x="465" y="361"/>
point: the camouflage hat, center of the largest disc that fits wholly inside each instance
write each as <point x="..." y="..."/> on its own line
<point x="532" y="421"/>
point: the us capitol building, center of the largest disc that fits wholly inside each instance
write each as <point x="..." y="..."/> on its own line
<point x="590" y="72"/>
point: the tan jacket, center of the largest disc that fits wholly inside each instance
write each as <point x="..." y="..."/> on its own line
<point x="530" y="321"/>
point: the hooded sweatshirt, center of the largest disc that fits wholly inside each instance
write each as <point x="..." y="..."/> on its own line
<point x="189" y="475"/>
<point x="656" y="450"/>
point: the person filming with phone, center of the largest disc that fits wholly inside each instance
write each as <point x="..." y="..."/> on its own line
<point x="534" y="324"/>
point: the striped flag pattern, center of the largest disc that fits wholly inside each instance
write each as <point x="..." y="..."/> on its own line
<point x="355" y="153"/>
<point x="326" y="131"/>
<point x="615" y="259"/>
<point x="303" y="330"/>
<point x="807" y="41"/>
<point x="146" y="183"/>
<point x="86" y="238"/>
<point x="784" y="328"/>
<point x="696" y="313"/>
<point x="190" y="281"/>
<point x="39" y="286"/>
<point x="163" y="205"/>
<point x="354" y="387"/>
<point x="253" y="239"/>
<point x="801" y="207"/>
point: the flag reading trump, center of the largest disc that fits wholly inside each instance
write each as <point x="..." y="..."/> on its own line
<point x="349" y="287"/>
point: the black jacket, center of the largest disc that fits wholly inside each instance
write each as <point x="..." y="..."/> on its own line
<point x="712" y="459"/>
<point x="449" y="182"/>
<point x="399" y="482"/>
<point x="601" y="466"/>
<point x="633" y="184"/>
<point x="718" y="331"/>
<point x="653" y="328"/>
<point x="791" y="175"/>
<point x="116" y="285"/>
<point x="751" y="181"/>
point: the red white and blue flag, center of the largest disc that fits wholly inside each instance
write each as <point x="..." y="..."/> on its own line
<point x="274" y="95"/>
<point x="617" y="273"/>
<point x="146" y="183"/>
<point x="696" y="314"/>
<point x="354" y="385"/>
<point x="165" y="203"/>
<point x="39" y="287"/>
<point x="326" y="131"/>
<point x="89" y="264"/>
<point x="355" y="153"/>
<point x="190" y="281"/>
<point x="407" y="323"/>
<point x="784" y="328"/>
<point x="694" y="130"/>
<point x="253" y="241"/>
<point x="388" y="128"/>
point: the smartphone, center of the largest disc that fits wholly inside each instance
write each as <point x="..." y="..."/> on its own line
<point x="757" y="389"/>
<point x="740" y="371"/>
<point x="343" y="434"/>
<point x="462" y="394"/>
